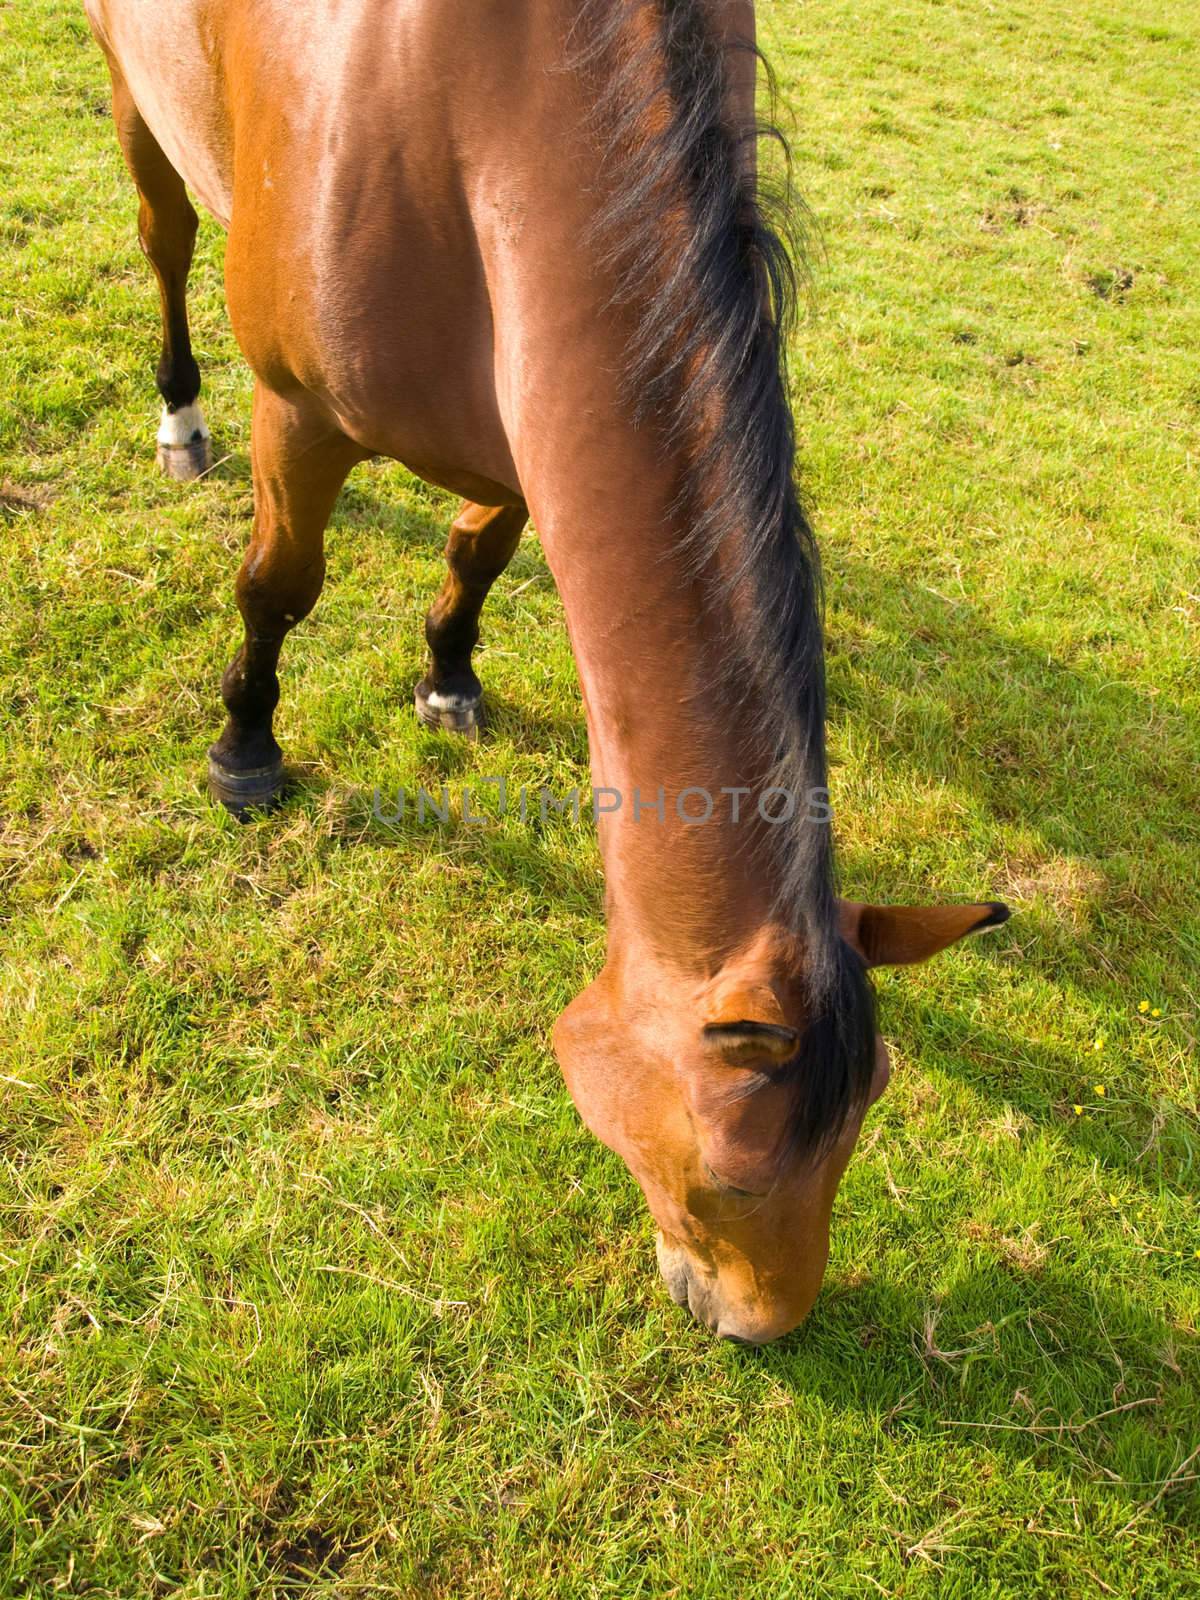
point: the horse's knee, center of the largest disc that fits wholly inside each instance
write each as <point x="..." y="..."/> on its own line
<point x="273" y="595"/>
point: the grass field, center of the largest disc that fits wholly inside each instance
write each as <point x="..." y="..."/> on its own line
<point x="312" y="1281"/>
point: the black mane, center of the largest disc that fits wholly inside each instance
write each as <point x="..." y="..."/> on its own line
<point x="707" y="264"/>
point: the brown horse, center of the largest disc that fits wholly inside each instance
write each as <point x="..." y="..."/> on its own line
<point x="521" y="249"/>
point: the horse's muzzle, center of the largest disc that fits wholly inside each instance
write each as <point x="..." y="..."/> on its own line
<point x="687" y="1288"/>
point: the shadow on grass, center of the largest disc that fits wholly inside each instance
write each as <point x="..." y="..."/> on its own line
<point x="413" y="525"/>
<point x="1031" y="1363"/>
<point x="1155" y="1145"/>
<point x="522" y="855"/>
<point x="1091" y="764"/>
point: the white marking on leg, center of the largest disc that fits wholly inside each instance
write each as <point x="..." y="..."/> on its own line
<point x="437" y="701"/>
<point x="182" y="427"/>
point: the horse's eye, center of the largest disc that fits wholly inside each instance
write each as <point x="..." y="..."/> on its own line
<point x="728" y="1188"/>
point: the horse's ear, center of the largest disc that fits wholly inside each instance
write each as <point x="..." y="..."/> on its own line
<point x="895" y="936"/>
<point x="745" y="1025"/>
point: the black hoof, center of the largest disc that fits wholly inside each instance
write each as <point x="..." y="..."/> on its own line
<point x="241" y="793"/>
<point x="451" y="712"/>
<point x="184" y="462"/>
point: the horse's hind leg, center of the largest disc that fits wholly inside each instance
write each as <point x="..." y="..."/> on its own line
<point x="482" y="542"/>
<point x="167" y="231"/>
<point x="300" y="461"/>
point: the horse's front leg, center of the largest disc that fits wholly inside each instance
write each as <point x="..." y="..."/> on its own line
<point x="483" y="540"/>
<point x="300" y="461"/>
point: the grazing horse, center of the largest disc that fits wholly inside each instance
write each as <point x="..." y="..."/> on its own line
<point x="521" y="248"/>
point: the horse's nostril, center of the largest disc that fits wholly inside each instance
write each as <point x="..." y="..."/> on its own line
<point x="700" y="1304"/>
<point x="672" y="1263"/>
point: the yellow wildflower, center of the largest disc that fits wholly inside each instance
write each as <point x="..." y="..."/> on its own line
<point x="1078" y="1110"/>
<point x="1100" y="1090"/>
<point x="1143" y="1006"/>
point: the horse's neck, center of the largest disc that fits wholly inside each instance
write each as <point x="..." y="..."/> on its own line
<point x="672" y="750"/>
<point x="655" y="653"/>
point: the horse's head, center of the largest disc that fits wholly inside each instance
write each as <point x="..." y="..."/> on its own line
<point x="696" y="1090"/>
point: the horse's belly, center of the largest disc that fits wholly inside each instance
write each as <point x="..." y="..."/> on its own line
<point x="439" y="417"/>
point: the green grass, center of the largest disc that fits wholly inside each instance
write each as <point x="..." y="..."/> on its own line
<point x="312" y="1281"/>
